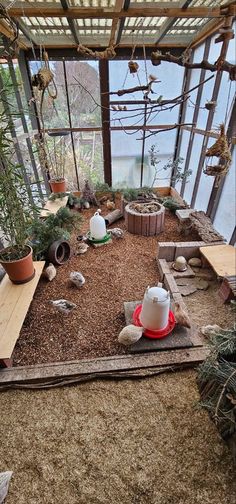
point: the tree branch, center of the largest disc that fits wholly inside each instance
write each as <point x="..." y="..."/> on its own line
<point x="223" y="66"/>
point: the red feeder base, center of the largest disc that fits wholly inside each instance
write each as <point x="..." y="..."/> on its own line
<point x="162" y="333"/>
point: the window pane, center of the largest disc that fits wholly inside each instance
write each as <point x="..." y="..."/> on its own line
<point x="83" y="93"/>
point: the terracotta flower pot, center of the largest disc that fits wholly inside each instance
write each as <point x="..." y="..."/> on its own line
<point x="58" y="186"/>
<point x="20" y="270"/>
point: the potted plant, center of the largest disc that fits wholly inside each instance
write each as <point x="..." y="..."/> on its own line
<point x="52" y="154"/>
<point x="16" y="211"/>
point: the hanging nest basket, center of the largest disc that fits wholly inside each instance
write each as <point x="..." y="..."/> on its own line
<point x="220" y="149"/>
<point x="216" y="170"/>
<point x="133" y="67"/>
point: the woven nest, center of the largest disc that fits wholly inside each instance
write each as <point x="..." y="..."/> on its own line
<point x="220" y="148"/>
<point x="133" y="67"/>
<point x="42" y="79"/>
<point x="216" y="170"/>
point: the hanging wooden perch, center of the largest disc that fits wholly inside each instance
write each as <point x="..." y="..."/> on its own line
<point x="108" y="53"/>
<point x="157" y="57"/>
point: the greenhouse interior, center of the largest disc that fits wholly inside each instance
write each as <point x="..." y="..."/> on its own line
<point x="117" y="252"/>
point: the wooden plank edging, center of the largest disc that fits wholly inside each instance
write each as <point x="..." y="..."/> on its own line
<point x="103" y="365"/>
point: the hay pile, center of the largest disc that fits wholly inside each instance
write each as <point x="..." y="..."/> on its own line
<point x="217" y="385"/>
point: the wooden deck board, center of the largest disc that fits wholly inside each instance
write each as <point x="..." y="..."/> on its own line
<point x="14" y="304"/>
<point x="52" y="207"/>
<point x="222" y="259"/>
<point x="103" y="366"/>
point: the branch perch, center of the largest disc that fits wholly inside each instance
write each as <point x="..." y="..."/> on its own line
<point x="157" y="57"/>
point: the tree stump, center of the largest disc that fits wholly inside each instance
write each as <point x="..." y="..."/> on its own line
<point x="145" y="224"/>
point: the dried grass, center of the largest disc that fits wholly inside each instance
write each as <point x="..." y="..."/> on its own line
<point x="132" y="442"/>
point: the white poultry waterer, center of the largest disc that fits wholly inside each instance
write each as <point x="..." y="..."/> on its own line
<point x="97" y="227"/>
<point x="154" y="314"/>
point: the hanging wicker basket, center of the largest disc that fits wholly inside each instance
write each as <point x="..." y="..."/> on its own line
<point x="133" y="67"/>
<point x="221" y="147"/>
<point x="216" y="170"/>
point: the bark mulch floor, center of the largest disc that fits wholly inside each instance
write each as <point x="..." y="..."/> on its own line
<point x="114" y="273"/>
<point x="110" y="442"/>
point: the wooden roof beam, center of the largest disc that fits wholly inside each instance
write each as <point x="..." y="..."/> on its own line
<point x="109" y="13"/>
<point x="169" y="22"/>
<point x="209" y="29"/>
<point x="8" y="32"/>
<point x="71" y="22"/>
<point x="116" y="22"/>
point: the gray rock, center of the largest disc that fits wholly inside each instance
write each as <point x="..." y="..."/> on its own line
<point x="186" y="290"/>
<point x="195" y="261"/>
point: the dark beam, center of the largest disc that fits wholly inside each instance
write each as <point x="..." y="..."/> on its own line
<point x="122" y="53"/>
<point x="71" y="22"/>
<point x="218" y="188"/>
<point x="33" y="114"/>
<point x="8" y="112"/>
<point x="109" y="13"/>
<point x="27" y="33"/>
<point x="170" y="22"/>
<point x="211" y="113"/>
<point x="181" y="119"/>
<point x="70" y="122"/>
<point x="233" y="237"/>
<point x="195" y="115"/>
<point x="24" y="124"/>
<point x="105" y="111"/>
<point x="122" y="22"/>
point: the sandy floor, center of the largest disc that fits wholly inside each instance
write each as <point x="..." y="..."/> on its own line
<point x="129" y="442"/>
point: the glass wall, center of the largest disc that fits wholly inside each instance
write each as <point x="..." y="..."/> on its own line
<point x="76" y="109"/>
<point x="224" y="220"/>
<point x="127" y="143"/>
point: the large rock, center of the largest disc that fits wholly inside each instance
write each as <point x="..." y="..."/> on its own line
<point x="195" y="261"/>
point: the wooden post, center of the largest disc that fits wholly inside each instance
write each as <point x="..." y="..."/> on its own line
<point x="106" y="135"/>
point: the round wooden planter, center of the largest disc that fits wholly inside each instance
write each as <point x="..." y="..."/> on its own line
<point x="149" y="224"/>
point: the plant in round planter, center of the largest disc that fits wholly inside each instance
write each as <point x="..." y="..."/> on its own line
<point x="16" y="212"/>
<point x="52" y="155"/>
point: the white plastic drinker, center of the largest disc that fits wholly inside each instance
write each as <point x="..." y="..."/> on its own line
<point x="155" y="309"/>
<point x="97" y="227"/>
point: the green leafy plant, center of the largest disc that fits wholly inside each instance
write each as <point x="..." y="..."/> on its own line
<point x="131" y="194"/>
<point x="55" y="227"/>
<point x="171" y="203"/>
<point x="17" y="208"/>
<point x="173" y="167"/>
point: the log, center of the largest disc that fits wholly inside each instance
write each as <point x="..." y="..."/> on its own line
<point x="113" y="216"/>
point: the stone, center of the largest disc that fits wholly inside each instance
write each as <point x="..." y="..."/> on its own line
<point x="182" y="281"/>
<point x="184" y="215"/>
<point x="186" y="290"/>
<point x="195" y="261"/>
<point x="201" y="284"/>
